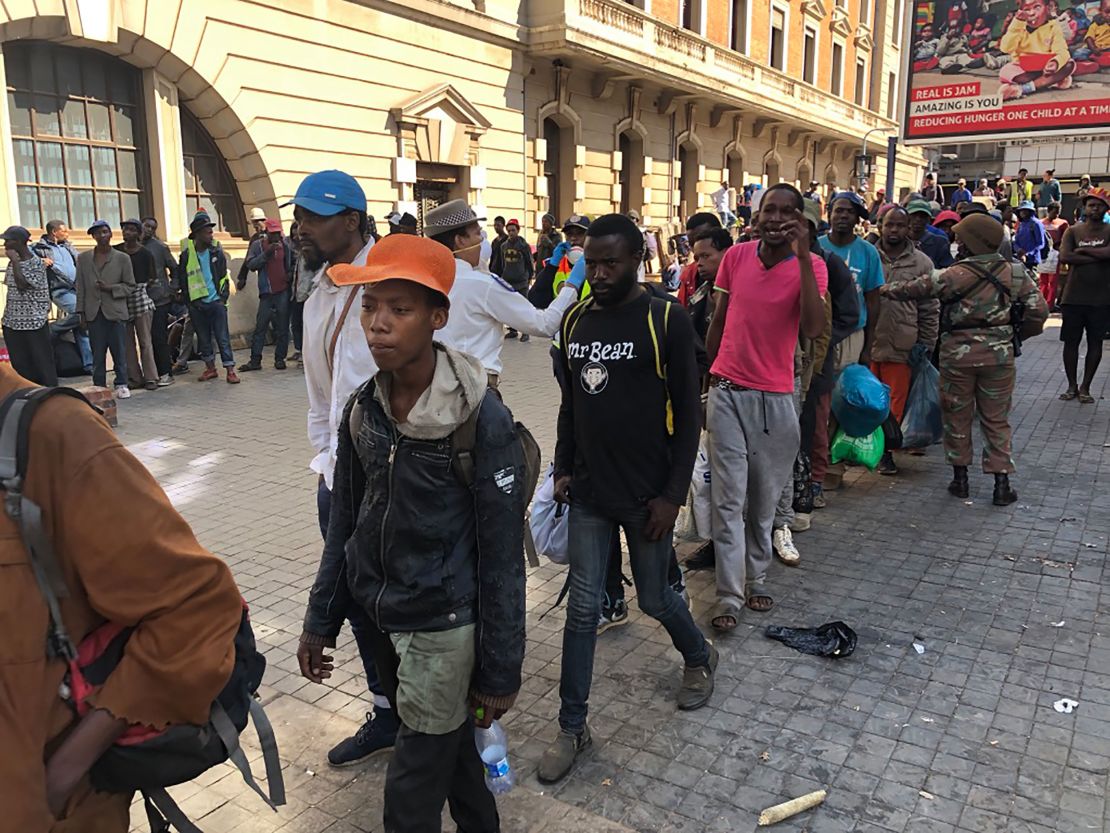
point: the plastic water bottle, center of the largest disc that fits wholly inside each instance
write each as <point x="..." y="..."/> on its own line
<point x="493" y="749"/>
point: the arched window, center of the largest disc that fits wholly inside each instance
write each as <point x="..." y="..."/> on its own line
<point x="77" y="135"/>
<point x="208" y="182"/>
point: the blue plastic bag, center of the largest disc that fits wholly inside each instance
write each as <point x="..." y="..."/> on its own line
<point x="923" y="422"/>
<point x="860" y="401"/>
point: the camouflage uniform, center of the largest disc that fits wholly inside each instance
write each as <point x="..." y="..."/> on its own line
<point x="977" y="352"/>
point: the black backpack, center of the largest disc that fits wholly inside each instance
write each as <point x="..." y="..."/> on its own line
<point x="142" y="759"/>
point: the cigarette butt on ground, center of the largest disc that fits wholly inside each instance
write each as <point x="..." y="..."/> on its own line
<point x="773" y="815"/>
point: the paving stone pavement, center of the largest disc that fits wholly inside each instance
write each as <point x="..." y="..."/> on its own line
<point x="962" y="737"/>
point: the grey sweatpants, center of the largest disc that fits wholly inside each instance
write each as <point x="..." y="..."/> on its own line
<point x="784" y="511"/>
<point x="755" y="438"/>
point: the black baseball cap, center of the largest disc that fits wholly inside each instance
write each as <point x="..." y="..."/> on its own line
<point x="17" y="233"/>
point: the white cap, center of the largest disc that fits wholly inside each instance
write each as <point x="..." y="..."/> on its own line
<point x="257" y="214"/>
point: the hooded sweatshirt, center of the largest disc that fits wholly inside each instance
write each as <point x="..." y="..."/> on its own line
<point x="458" y="385"/>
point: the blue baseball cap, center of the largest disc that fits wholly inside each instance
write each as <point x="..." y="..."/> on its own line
<point x="328" y="193"/>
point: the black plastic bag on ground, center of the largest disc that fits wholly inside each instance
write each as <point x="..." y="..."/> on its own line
<point x="833" y="639"/>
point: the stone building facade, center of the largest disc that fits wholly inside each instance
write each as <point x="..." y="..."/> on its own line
<point x="122" y="107"/>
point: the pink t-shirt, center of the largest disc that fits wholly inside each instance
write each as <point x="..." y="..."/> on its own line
<point x="764" y="311"/>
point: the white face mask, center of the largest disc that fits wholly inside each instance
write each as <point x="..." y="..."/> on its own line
<point x="485" y="253"/>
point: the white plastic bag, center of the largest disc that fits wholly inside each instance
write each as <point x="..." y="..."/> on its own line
<point x="549" y="521"/>
<point x="702" y="503"/>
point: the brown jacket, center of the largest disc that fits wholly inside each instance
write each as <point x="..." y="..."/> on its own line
<point x="902" y="324"/>
<point x="143" y="569"/>
<point x="118" y="278"/>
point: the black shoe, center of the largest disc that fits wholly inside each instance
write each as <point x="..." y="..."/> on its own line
<point x="886" y="464"/>
<point x="1003" y="494"/>
<point x="376" y="735"/>
<point x="703" y="558"/>
<point x="249" y="366"/>
<point x="524" y="339"/>
<point x="958" y="486"/>
<point x="613" y="613"/>
<point x="512" y="333"/>
<point x="279" y="364"/>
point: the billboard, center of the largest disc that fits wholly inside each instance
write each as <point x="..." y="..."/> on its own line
<point x="1006" y="69"/>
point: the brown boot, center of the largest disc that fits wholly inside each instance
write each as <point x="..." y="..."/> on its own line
<point x="209" y="372"/>
<point x="232" y="376"/>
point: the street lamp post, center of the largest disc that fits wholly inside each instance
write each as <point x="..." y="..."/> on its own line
<point x="892" y="143"/>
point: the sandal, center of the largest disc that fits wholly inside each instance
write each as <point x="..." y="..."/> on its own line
<point x="1086" y="398"/>
<point x="759" y="599"/>
<point x="726" y="616"/>
<point x="1069" y="394"/>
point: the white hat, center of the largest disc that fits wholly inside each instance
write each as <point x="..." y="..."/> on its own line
<point x="257" y="214"/>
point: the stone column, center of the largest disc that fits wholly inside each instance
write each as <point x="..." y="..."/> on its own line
<point x="165" y="151"/>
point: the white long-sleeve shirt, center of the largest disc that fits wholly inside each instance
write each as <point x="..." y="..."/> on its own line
<point x="720" y="199"/>
<point x="482" y="305"/>
<point x="329" y="388"/>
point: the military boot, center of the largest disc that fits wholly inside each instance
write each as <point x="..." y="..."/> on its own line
<point x="958" y="486"/>
<point x="1003" y="494"/>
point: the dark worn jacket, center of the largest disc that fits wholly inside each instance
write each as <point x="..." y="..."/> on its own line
<point x="165" y="269"/>
<point x="258" y="256"/>
<point x="902" y="324"/>
<point x="417" y="549"/>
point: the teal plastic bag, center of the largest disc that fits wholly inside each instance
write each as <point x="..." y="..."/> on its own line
<point x="861" y="451"/>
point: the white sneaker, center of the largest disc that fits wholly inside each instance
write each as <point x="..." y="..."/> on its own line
<point x="783" y="543"/>
<point x="165" y="381"/>
<point x="123" y="392"/>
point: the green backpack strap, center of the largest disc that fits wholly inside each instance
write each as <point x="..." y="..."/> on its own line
<point x="659" y="315"/>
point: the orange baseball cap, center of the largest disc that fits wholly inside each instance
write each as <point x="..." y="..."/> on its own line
<point x="401" y="257"/>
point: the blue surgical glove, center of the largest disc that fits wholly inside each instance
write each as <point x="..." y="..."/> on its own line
<point x="577" y="277"/>
<point x="560" y="251"/>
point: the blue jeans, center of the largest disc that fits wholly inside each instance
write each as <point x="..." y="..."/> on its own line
<point x="590" y="537"/>
<point x="105" y="335"/>
<point x="271" y="307"/>
<point x="361" y="626"/>
<point x="210" y="322"/>
<point x="66" y="300"/>
<point x="727" y="218"/>
<point x="296" y="322"/>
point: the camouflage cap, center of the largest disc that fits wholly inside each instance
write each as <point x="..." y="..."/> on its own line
<point x="812" y="211"/>
<point x="980" y="233"/>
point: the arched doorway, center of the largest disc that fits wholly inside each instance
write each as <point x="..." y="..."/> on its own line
<point x="689" y="162"/>
<point x="771" y="169"/>
<point x="734" y="165"/>
<point x="805" y="175"/>
<point x="558" y="168"/>
<point x="631" y="175"/>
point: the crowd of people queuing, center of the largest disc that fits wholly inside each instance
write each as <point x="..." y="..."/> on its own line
<point x="422" y="472"/>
